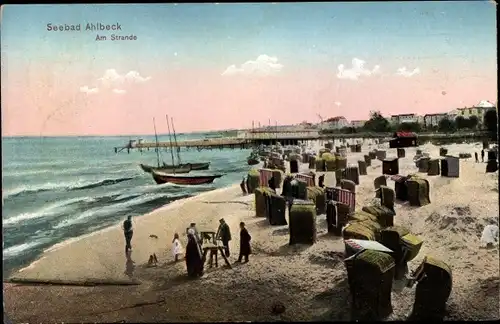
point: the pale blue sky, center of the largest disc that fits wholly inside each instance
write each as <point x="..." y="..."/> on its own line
<point x="300" y="34"/>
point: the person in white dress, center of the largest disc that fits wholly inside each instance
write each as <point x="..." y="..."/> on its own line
<point x="176" y="247"/>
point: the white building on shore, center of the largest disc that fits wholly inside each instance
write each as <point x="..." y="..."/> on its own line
<point x="477" y="110"/>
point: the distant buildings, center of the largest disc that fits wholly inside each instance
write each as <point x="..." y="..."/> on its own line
<point x="404" y="118"/>
<point x="432" y="120"/>
<point x="335" y="123"/>
<point x="358" y="123"/>
<point x="478" y="110"/>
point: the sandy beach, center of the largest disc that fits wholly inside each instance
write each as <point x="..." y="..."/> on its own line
<point x="311" y="281"/>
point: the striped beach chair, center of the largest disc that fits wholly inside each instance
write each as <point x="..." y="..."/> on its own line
<point x="306" y="178"/>
<point x="265" y="175"/>
<point x="341" y="195"/>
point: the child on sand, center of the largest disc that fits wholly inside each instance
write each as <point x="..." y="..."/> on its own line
<point x="176" y="247"/>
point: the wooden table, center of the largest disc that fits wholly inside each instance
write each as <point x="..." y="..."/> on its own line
<point x="214" y="249"/>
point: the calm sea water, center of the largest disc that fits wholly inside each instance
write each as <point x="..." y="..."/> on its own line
<point x="55" y="189"/>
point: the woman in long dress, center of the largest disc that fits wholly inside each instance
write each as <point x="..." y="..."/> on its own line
<point x="194" y="256"/>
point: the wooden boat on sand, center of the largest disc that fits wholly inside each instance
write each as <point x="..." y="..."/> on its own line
<point x="161" y="178"/>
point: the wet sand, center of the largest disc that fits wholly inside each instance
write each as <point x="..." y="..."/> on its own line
<point x="309" y="280"/>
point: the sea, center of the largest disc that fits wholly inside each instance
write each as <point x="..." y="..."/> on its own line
<point x="56" y="189"/>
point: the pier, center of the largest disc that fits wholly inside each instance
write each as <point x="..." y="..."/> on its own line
<point x="250" y="139"/>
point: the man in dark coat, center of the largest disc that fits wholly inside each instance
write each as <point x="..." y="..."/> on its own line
<point x="243" y="186"/>
<point x="482" y="155"/>
<point x="477" y="158"/>
<point x="245" y="239"/>
<point x="128" y="232"/>
<point x="321" y="181"/>
<point x="224" y="234"/>
<point x="194" y="256"/>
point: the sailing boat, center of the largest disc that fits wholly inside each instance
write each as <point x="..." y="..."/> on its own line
<point x="162" y="177"/>
<point x="194" y="166"/>
<point x="167" y="169"/>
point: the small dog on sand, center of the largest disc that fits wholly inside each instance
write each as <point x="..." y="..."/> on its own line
<point x="153" y="236"/>
<point x="153" y="261"/>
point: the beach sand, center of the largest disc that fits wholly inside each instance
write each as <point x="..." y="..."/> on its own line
<point x="311" y="281"/>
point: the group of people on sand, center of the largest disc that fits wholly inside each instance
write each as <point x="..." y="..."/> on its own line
<point x="194" y="255"/>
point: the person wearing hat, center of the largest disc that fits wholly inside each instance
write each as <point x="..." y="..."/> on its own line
<point x="224" y="234"/>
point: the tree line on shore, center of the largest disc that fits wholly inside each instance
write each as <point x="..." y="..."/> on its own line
<point x="379" y="124"/>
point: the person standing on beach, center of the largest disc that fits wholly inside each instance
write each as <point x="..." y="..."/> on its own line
<point x="482" y="155"/>
<point x="224" y="234"/>
<point x="243" y="186"/>
<point x="476" y="156"/>
<point x="176" y="247"/>
<point x="245" y="238"/>
<point x="194" y="256"/>
<point x="196" y="234"/>
<point x="128" y="231"/>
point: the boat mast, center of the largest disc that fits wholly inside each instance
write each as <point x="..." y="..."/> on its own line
<point x="171" y="145"/>
<point x="157" y="149"/>
<point x="175" y="139"/>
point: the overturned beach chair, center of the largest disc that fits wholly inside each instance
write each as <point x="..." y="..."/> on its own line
<point x="434" y="284"/>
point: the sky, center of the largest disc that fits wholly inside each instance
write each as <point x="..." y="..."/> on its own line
<point x="222" y="66"/>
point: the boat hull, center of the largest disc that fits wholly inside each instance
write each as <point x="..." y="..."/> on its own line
<point x="194" y="166"/>
<point x="168" y="169"/>
<point x="184" y="180"/>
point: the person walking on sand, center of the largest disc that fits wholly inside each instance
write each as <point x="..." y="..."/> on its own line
<point x="224" y="234"/>
<point x="245" y="238"/>
<point x="128" y="232"/>
<point x="482" y="155"/>
<point x="176" y="247"/>
<point x="476" y="156"/>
